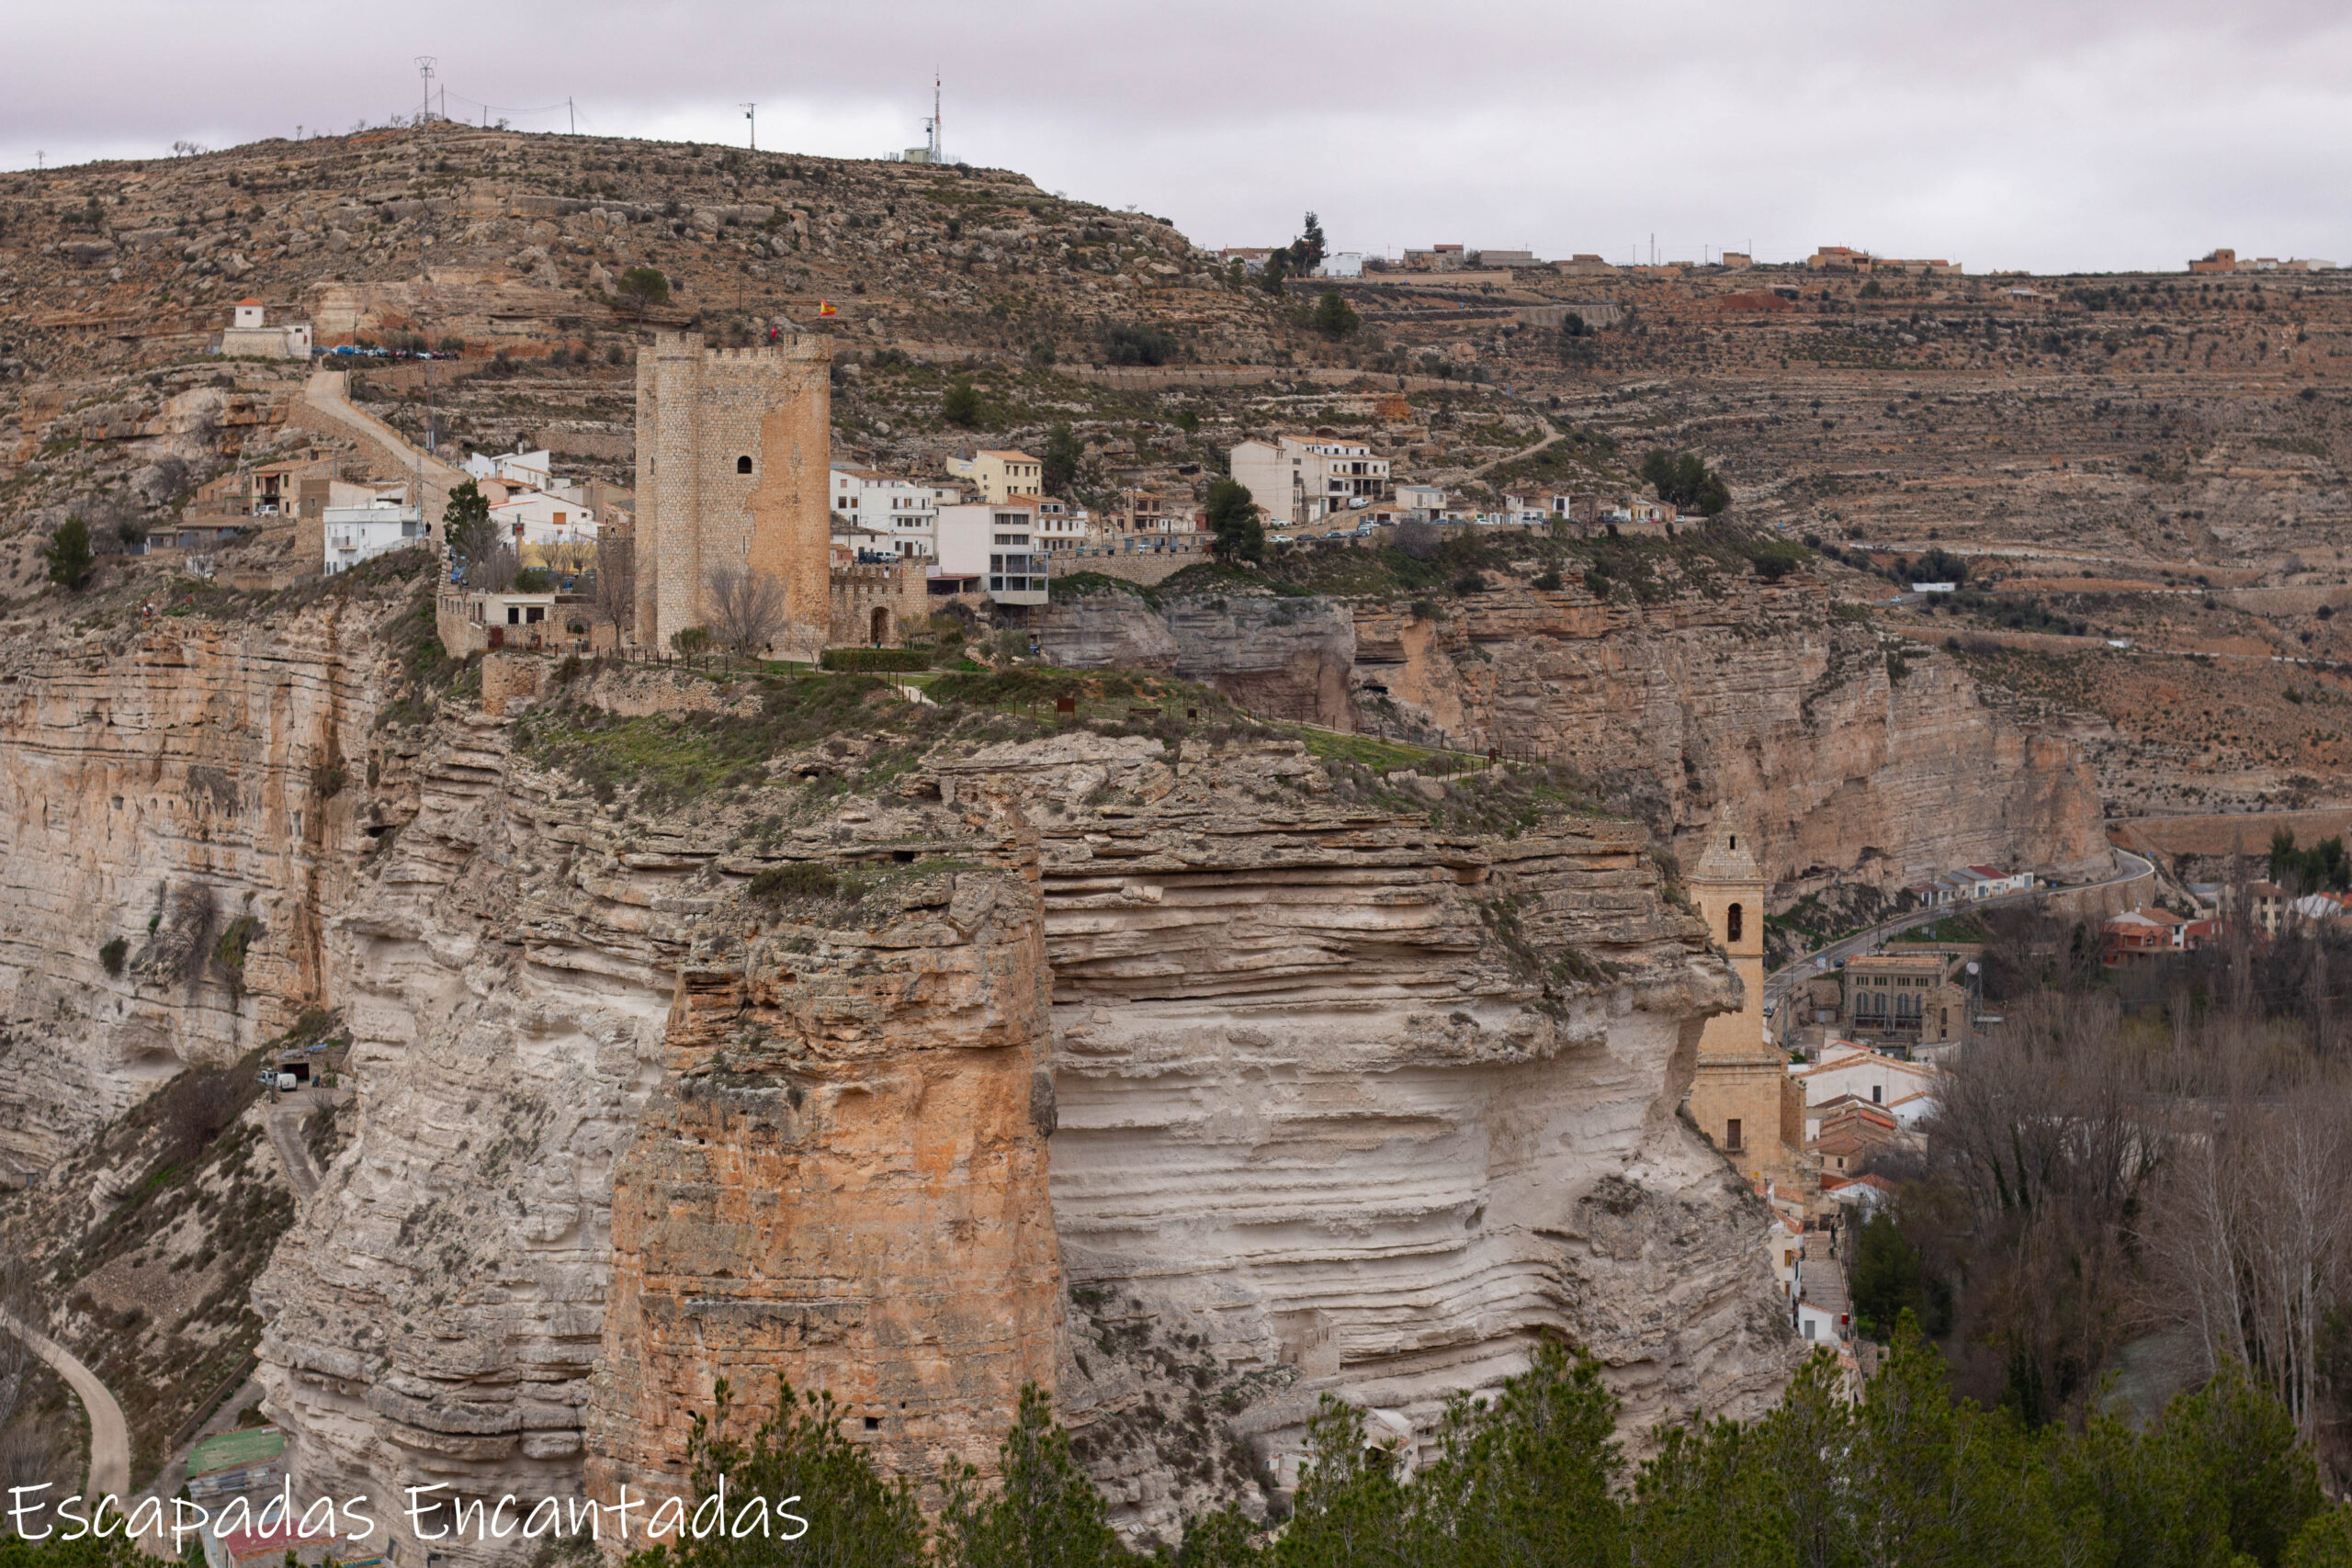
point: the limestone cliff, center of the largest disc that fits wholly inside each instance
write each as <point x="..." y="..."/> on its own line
<point x="1286" y="657"/>
<point x="187" y="789"/>
<point x="1845" y="762"/>
<point x="904" y="1057"/>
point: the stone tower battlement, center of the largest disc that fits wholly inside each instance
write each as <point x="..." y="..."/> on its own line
<point x="733" y="452"/>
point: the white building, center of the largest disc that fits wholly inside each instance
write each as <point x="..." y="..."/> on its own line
<point x="1905" y="1090"/>
<point x="996" y="548"/>
<point x="537" y="517"/>
<point x="1062" y="525"/>
<point x="245" y="336"/>
<point x="1342" y="264"/>
<point x="1423" y="500"/>
<point x="1971" y="884"/>
<point x="1299" y="480"/>
<point x="533" y="470"/>
<point x="901" y="507"/>
<point x="354" y="534"/>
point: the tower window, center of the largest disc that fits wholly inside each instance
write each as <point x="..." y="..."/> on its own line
<point x="1731" y="1136"/>
<point x="1735" y="922"/>
<point x="742" y="464"/>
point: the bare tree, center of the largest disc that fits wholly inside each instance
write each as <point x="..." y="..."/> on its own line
<point x="612" y="600"/>
<point x="2249" y="1238"/>
<point x="746" y="608"/>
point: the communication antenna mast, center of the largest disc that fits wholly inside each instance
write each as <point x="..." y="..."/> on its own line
<point x="751" y="116"/>
<point x="938" y="138"/>
<point x="424" y="69"/>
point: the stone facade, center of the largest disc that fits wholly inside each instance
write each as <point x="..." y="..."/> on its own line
<point x="878" y="604"/>
<point x="1741" y="1094"/>
<point x="732" y="448"/>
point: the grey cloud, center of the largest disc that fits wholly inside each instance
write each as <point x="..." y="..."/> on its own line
<point x="2086" y="136"/>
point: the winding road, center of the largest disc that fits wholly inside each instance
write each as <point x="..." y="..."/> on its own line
<point x="109" y="1433"/>
<point x="1777" y="984"/>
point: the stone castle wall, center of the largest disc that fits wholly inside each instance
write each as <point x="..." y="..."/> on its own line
<point x="732" y="454"/>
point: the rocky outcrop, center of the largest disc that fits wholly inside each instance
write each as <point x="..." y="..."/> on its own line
<point x="1342" y="1099"/>
<point x="1282" y="657"/>
<point x="1846" y="762"/>
<point x="1353" y="1106"/>
<point x="505" y="977"/>
<point x="166" y="790"/>
<point x="1845" y="757"/>
<point x="842" y="1181"/>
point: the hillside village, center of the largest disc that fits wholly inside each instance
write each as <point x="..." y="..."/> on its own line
<point x="1873" y="600"/>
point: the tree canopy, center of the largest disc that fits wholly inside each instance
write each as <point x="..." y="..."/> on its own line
<point x="1531" y="1475"/>
<point x="1684" y="479"/>
<point x="1235" y="533"/>
<point x="1334" y="317"/>
<point x="960" y="404"/>
<point x="68" y="553"/>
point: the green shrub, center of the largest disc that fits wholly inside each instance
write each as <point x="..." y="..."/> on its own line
<point x="112" y="955"/>
<point x="873" y="659"/>
<point x="801" y="879"/>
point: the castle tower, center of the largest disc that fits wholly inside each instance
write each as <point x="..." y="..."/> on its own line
<point x="1741" y="1094"/>
<point x="733" y="447"/>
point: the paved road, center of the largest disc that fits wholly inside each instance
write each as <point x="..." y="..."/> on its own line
<point x="328" y="391"/>
<point x="1777" y="984"/>
<point x="109" y="1434"/>
<point x="285" y="1137"/>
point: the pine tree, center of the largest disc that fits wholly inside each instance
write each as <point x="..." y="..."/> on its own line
<point x="1235" y="533"/>
<point x="1045" y="1512"/>
<point x="68" y="553"/>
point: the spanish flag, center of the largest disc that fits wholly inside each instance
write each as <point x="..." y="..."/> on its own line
<point x="825" y="309"/>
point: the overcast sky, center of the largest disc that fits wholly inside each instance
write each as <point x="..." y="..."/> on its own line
<point x="2000" y="133"/>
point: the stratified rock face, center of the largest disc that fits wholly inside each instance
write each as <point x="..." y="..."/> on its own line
<point x="159" y="789"/>
<point x="1280" y="658"/>
<point x="1355" y="1106"/>
<point x="1758" y="694"/>
<point x="843" y="1180"/>
<point x="1111" y="630"/>
<point x="1759" y="697"/>
<point x="505" y="975"/>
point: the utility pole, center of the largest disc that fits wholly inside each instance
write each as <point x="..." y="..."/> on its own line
<point x="424" y="69"/>
<point x="571" y="117"/>
<point x="751" y="114"/>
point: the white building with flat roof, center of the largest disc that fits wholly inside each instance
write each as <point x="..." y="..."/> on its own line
<point x="245" y="336"/>
<point x="904" y="509"/>
<point x="1299" y="480"/>
<point x="997" y="547"/>
<point x="354" y="534"/>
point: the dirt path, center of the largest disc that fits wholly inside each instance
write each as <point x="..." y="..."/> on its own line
<point x="285" y="1137"/>
<point x="1551" y="437"/>
<point x="109" y="1434"/>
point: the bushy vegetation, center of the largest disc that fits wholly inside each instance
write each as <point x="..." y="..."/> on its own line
<point x="1532" y="1474"/>
<point x="1684" y="478"/>
<point x="873" y="659"/>
<point x="2324" y="867"/>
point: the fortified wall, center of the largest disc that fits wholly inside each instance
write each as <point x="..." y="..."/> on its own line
<point x="733" y="452"/>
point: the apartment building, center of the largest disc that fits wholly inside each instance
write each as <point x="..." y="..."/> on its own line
<point x="1062" y="525"/>
<point x="992" y="549"/>
<point x="1300" y="480"/>
<point x="1000" y="475"/>
<point x="902" y="509"/>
